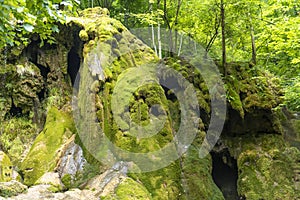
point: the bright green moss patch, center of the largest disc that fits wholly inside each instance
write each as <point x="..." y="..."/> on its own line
<point x="267" y="167"/>
<point x="163" y="184"/>
<point x="129" y="189"/>
<point x="197" y="176"/>
<point x="249" y="88"/>
<point x="44" y="152"/>
<point x="5" y="168"/>
<point x="12" y="188"/>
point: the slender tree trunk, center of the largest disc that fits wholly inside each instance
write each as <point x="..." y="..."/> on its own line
<point x="223" y="37"/>
<point x="169" y="27"/>
<point x="153" y="33"/>
<point x="153" y="39"/>
<point x="176" y="22"/>
<point x="159" y="41"/>
<point x="215" y="35"/>
<point x="180" y="45"/>
<point x="252" y="40"/>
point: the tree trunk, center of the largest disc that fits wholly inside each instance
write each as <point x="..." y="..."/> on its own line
<point x="159" y="41"/>
<point x="153" y="39"/>
<point x="252" y="40"/>
<point x="180" y="45"/>
<point x="153" y="33"/>
<point x="223" y="37"/>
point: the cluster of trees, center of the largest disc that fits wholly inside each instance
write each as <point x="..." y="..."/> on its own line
<point x="264" y="32"/>
<point x="19" y="18"/>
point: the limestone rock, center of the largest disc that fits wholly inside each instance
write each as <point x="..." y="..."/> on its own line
<point x="50" y="178"/>
<point x="11" y="188"/>
<point x="44" y="192"/>
<point x="72" y="160"/>
<point x="106" y="183"/>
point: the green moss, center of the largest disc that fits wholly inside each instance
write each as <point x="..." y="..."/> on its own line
<point x="110" y="42"/>
<point x="44" y="152"/>
<point x="267" y="167"/>
<point x="6" y="168"/>
<point x="17" y="134"/>
<point x="249" y="88"/>
<point x="67" y="180"/>
<point x="129" y="189"/>
<point x="197" y="180"/>
<point x="83" y="35"/>
<point x="164" y="183"/>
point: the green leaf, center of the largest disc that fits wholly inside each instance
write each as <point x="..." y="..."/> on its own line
<point x="20" y="9"/>
<point x="28" y="27"/>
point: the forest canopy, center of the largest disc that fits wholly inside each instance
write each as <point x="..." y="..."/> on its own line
<point x="265" y="33"/>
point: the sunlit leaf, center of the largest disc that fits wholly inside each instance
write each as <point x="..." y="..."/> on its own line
<point x="28" y="27"/>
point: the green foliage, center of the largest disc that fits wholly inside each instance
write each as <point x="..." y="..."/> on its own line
<point x="20" y="18"/>
<point x="292" y="95"/>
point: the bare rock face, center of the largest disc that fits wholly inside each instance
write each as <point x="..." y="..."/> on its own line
<point x="50" y="178"/>
<point x="72" y="160"/>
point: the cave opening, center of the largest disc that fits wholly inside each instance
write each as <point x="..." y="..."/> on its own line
<point x="225" y="173"/>
<point x="73" y="64"/>
<point x="14" y="111"/>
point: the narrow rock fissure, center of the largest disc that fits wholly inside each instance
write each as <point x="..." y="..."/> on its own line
<point x="73" y="64"/>
<point x="225" y="174"/>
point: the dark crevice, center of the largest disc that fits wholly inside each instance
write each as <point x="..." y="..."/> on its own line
<point x="41" y="95"/>
<point x="225" y="174"/>
<point x="73" y="64"/>
<point x="75" y="55"/>
<point x="169" y="94"/>
<point x="44" y="70"/>
<point x="14" y="110"/>
<point x="258" y="121"/>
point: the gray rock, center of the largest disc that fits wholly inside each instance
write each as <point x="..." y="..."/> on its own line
<point x="11" y="188"/>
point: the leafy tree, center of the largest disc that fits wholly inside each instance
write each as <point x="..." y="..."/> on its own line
<point x="19" y="18"/>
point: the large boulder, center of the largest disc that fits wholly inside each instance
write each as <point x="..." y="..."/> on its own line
<point x="46" y="150"/>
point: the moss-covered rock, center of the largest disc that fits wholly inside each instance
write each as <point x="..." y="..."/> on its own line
<point x="11" y="188"/>
<point x="45" y="151"/>
<point x="129" y="189"/>
<point x="105" y="49"/>
<point x="53" y="179"/>
<point x="20" y="84"/>
<point x="17" y="136"/>
<point x="197" y="177"/>
<point x="268" y="167"/>
<point x="6" y="168"/>
<point x="250" y="88"/>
